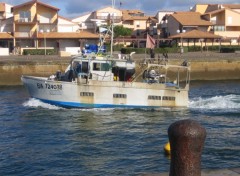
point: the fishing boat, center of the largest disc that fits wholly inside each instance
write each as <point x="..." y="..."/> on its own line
<point x="93" y="81"/>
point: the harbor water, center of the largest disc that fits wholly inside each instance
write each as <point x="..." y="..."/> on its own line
<point x="41" y="139"/>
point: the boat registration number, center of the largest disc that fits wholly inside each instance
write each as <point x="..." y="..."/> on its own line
<point x="49" y="86"/>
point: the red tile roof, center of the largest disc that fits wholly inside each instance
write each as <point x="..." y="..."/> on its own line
<point x="5" y="35"/>
<point x="2" y="7"/>
<point x="232" y="6"/>
<point x="127" y="15"/>
<point x="35" y="1"/>
<point x="195" y="34"/>
<point x="70" y="35"/>
<point x="221" y="10"/>
<point x="190" y="19"/>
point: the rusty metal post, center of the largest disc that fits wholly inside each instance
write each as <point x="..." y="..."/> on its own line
<point x="186" y="140"/>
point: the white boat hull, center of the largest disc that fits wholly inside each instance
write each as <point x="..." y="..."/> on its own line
<point x="105" y="94"/>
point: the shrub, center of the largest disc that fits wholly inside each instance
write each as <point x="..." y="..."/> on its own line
<point x="194" y="48"/>
<point x="211" y="48"/>
<point x="129" y="50"/>
<point x="156" y="50"/>
<point x="227" y="50"/>
<point x="39" y="52"/>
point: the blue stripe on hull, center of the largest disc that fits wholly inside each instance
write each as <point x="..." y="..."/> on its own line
<point x="84" y="105"/>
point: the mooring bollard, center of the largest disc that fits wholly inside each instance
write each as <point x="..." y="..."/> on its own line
<point x="186" y="140"/>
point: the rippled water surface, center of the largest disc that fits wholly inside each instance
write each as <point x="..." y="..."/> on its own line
<point x="41" y="139"/>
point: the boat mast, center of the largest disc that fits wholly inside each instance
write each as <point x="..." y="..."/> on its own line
<point x="112" y="23"/>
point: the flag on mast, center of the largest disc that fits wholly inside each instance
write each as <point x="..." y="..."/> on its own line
<point x="150" y="43"/>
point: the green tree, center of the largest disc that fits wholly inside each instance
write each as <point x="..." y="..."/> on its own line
<point x="121" y="31"/>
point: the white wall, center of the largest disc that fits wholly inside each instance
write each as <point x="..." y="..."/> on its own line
<point x="67" y="28"/>
<point x="8" y="10"/>
<point x="82" y="18"/>
<point x="72" y="50"/>
<point x="45" y="17"/>
<point x="69" y="47"/>
<point x="65" y="25"/>
<point x="161" y="14"/>
<point x="4" y="51"/>
<point x="68" y="43"/>
<point x="85" y="21"/>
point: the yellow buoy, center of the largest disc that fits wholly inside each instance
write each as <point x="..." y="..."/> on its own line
<point x="167" y="148"/>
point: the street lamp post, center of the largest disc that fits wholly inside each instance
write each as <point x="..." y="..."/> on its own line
<point x="158" y="34"/>
<point x="183" y="31"/>
<point x="45" y="42"/>
<point x="201" y="40"/>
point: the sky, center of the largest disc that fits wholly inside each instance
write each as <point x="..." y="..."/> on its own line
<point x="74" y="8"/>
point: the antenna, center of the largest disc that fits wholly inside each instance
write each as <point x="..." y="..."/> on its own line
<point x="113" y="3"/>
<point x="112" y="24"/>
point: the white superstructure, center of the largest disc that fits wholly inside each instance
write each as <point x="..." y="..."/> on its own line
<point x="102" y="82"/>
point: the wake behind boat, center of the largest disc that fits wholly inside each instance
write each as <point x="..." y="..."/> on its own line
<point x="96" y="81"/>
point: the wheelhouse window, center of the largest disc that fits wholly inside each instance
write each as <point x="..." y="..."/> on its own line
<point x="105" y="67"/>
<point x="97" y="66"/>
<point x="85" y="67"/>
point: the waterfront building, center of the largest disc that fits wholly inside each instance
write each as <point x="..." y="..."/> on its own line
<point x="5" y="10"/>
<point x="38" y="25"/>
<point x="91" y="21"/>
<point x="6" y="28"/>
<point x="135" y="20"/>
<point x="220" y="20"/>
<point x="179" y="22"/>
<point x="226" y="21"/>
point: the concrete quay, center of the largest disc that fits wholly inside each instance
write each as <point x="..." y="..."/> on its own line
<point x="206" y="172"/>
<point x="191" y="56"/>
<point x="204" y="65"/>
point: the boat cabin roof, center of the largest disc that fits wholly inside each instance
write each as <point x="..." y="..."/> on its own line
<point x="98" y="58"/>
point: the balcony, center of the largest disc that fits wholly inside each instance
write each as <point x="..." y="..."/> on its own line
<point x="116" y="19"/>
<point x="26" y="20"/>
<point x="227" y="34"/>
<point x="50" y="27"/>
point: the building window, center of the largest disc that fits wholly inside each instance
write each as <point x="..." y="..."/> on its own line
<point x="24" y="16"/>
<point x="219" y="28"/>
<point x="86" y="94"/>
<point x="119" y="96"/>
